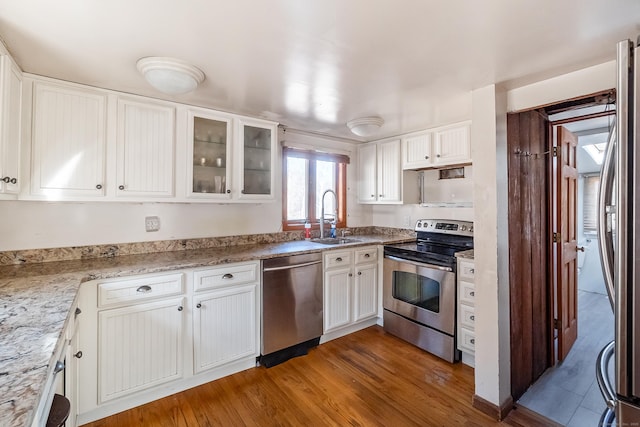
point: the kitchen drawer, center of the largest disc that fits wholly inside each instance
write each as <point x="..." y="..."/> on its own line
<point x="366" y="255"/>
<point x="467" y="340"/>
<point x="141" y="288"/>
<point x="218" y="277"/>
<point x="467" y="270"/>
<point x="338" y="258"/>
<point x="467" y="316"/>
<point x="467" y="292"/>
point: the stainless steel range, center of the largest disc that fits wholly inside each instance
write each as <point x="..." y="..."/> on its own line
<point x="419" y="286"/>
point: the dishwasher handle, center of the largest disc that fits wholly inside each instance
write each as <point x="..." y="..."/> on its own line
<point x="288" y="267"/>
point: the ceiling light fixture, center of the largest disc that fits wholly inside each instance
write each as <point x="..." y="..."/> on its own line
<point x="169" y="75"/>
<point x="365" y="126"/>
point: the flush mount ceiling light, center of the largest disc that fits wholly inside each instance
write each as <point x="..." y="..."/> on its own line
<point x="169" y="75"/>
<point x="365" y="126"/>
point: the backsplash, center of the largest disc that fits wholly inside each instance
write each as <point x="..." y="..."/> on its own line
<point x="120" y="249"/>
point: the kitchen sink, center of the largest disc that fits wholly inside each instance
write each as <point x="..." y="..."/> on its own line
<point x="334" y="240"/>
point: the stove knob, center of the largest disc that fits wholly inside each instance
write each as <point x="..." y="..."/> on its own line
<point x="471" y="229"/>
<point x="419" y="225"/>
<point x="463" y="228"/>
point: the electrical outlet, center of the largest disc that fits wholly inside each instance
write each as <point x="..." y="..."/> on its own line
<point x="407" y="221"/>
<point x="152" y="223"/>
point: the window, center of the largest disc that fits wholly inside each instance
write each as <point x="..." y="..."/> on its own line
<point x="306" y="176"/>
<point x="589" y="203"/>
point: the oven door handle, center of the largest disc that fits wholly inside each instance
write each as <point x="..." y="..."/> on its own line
<point x="419" y="264"/>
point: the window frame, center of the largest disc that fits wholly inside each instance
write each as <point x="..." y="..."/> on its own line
<point x="341" y="162"/>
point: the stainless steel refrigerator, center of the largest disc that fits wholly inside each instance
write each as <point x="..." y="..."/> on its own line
<point x="619" y="239"/>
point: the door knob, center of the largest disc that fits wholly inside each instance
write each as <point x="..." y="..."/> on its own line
<point x="580" y="248"/>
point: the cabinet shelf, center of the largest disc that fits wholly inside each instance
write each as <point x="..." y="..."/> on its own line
<point x="253" y="147"/>
<point x="202" y="141"/>
<point x="257" y="170"/>
<point x="198" y="165"/>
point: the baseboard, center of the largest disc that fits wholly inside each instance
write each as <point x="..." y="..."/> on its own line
<point x="525" y="416"/>
<point x="494" y="411"/>
<point x="347" y="330"/>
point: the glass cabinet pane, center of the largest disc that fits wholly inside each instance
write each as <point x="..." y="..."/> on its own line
<point x="209" y="156"/>
<point x="257" y="160"/>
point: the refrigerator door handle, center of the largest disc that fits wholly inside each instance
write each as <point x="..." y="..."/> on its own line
<point x="602" y="375"/>
<point x="606" y="211"/>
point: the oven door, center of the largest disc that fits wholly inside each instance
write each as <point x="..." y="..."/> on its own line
<point x="421" y="292"/>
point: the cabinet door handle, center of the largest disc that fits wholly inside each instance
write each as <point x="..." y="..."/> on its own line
<point x="338" y="259"/>
<point x="367" y="256"/>
<point x="228" y="276"/>
<point x="472" y="293"/>
<point x="473" y="318"/>
<point x="120" y="187"/>
<point x="99" y="187"/>
<point x="180" y="308"/>
<point x="78" y="355"/>
<point x="144" y="289"/>
<point x="198" y="305"/>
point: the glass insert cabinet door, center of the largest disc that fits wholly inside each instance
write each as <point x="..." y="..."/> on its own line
<point x="210" y="136"/>
<point x="258" y="158"/>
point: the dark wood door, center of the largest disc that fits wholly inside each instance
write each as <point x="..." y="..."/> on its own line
<point x="565" y="243"/>
<point x="529" y="278"/>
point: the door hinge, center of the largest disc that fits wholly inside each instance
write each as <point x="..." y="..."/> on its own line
<point x="557" y="324"/>
<point x="556" y="237"/>
<point x="555" y="151"/>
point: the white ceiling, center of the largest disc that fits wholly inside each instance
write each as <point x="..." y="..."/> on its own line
<point x="315" y="64"/>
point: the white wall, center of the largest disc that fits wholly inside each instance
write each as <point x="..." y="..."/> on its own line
<point x="30" y="225"/>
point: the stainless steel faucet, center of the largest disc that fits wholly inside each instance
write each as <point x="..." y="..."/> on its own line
<point x="335" y="213"/>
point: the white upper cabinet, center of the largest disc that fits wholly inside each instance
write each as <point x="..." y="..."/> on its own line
<point x="68" y="141"/>
<point x="367" y="166"/>
<point x="10" y="126"/>
<point x="209" y="137"/>
<point x="380" y="176"/>
<point x="145" y="149"/>
<point x="449" y="145"/>
<point x="256" y="160"/>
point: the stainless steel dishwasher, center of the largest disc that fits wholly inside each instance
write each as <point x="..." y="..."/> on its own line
<point x="291" y="306"/>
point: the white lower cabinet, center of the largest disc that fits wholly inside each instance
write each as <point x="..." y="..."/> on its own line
<point x="225" y="315"/>
<point x="153" y="335"/>
<point x="466" y="310"/>
<point x="350" y="287"/>
<point x="141" y="346"/>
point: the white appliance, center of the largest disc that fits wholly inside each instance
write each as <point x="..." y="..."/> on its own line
<point x="619" y="235"/>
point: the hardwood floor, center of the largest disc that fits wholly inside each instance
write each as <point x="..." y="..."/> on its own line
<point x="368" y="378"/>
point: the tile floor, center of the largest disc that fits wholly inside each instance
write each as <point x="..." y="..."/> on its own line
<point x="568" y="393"/>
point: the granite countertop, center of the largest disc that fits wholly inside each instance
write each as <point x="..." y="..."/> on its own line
<point x="36" y="300"/>
<point x="468" y="254"/>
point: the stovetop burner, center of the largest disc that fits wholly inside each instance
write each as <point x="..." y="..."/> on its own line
<point x="437" y="242"/>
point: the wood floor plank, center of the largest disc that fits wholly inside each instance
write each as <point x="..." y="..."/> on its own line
<point x="368" y="378"/>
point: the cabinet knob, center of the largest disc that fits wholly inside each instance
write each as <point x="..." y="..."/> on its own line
<point x="338" y="259"/>
<point x="473" y="318"/>
<point x="437" y="155"/>
<point x="99" y="186"/>
<point x="359" y="273"/>
<point x="59" y="367"/>
<point x="228" y="191"/>
<point x="78" y="355"/>
<point x="426" y="157"/>
<point x="380" y="195"/>
<point x="180" y="308"/>
<point x="198" y="305"/>
<point x="373" y="195"/>
<point x="350" y="274"/>
<point x="6" y="179"/>
<point x="367" y="255"/>
<point x="472" y="341"/>
<point x="78" y="311"/>
<point x="472" y="270"/>
<point x="120" y="187"/>
<point x="228" y="276"/>
<point x="472" y="293"/>
<point x="144" y="289"/>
